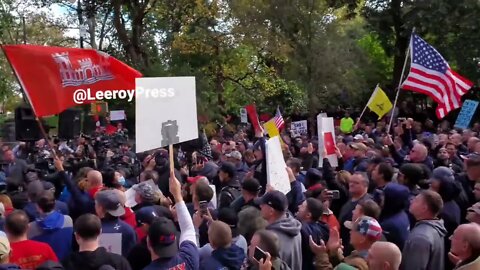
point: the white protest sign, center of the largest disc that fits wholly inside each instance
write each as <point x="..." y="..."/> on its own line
<point x="277" y="175"/>
<point x="165" y="112"/>
<point x="117" y="115"/>
<point x="299" y="128"/>
<point x="112" y="242"/>
<point x="214" y="198"/>
<point x="243" y="116"/>
<point x="325" y="125"/>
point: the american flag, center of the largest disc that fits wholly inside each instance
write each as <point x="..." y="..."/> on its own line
<point x="431" y="75"/>
<point x="279" y="122"/>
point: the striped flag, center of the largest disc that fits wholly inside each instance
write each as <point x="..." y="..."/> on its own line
<point x="279" y="122"/>
<point x="431" y="75"/>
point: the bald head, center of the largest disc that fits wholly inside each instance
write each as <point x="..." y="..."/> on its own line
<point x="94" y="178"/>
<point x="418" y="153"/>
<point x="471" y="234"/>
<point x="384" y="255"/>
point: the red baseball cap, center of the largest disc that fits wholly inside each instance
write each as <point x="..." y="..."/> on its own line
<point x="193" y="180"/>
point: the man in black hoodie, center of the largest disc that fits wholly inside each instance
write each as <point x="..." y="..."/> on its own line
<point x="309" y="214"/>
<point x="90" y="255"/>
<point x="230" y="187"/>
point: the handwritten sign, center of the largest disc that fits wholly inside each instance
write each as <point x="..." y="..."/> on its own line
<point x="465" y="116"/>
<point x="112" y="242"/>
<point x="277" y="175"/>
<point x="299" y="128"/>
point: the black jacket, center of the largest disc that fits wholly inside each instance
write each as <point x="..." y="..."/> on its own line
<point x="139" y="256"/>
<point x="93" y="260"/>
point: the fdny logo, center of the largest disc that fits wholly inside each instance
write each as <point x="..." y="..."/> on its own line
<point x="86" y="73"/>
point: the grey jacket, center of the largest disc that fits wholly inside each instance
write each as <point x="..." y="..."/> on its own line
<point x="424" y="248"/>
<point x="288" y="229"/>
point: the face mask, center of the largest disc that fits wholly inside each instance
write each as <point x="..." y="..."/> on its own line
<point x="122" y="181"/>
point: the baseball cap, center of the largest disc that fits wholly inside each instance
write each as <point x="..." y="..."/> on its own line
<point x="251" y="185"/>
<point x="4" y="247"/>
<point x="228" y="168"/>
<point x="145" y="191"/>
<point x="234" y="154"/>
<point x="110" y="200"/>
<point x="194" y="179"/>
<point x="366" y="226"/>
<point x="359" y="146"/>
<point x="148" y="214"/>
<point x="358" y="137"/>
<point x="275" y="199"/>
<point x="475" y="208"/>
<point x="162" y="235"/>
<point x="472" y="158"/>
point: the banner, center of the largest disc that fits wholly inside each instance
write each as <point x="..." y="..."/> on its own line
<point x="326" y="140"/>
<point x="117" y="115"/>
<point x="465" y="116"/>
<point x="252" y="114"/>
<point x="277" y="175"/>
<point x="299" y="128"/>
<point x="51" y="76"/>
<point x="162" y="120"/>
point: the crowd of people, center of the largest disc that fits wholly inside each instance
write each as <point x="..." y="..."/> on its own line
<point x="406" y="199"/>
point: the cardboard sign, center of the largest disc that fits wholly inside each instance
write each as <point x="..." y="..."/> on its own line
<point x="299" y="128"/>
<point x="465" y="116"/>
<point x="243" y="116"/>
<point x="117" y="115"/>
<point x="325" y="126"/>
<point x="112" y="242"/>
<point x="277" y="175"/>
<point x="165" y="112"/>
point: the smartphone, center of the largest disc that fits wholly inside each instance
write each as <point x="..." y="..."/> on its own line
<point x="203" y="208"/>
<point x="259" y="254"/>
<point x="335" y="194"/>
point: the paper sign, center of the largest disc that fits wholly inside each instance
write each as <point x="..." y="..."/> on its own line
<point x="465" y="116"/>
<point x="165" y="112"/>
<point x="117" y="115"/>
<point x="277" y="175"/>
<point x="130" y="193"/>
<point x="299" y="128"/>
<point x="271" y="128"/>
<point x="243" y="116"/>
<point x="214" y="198"/>
<point x="325" y="126"/>
<point x="112" y="242"/>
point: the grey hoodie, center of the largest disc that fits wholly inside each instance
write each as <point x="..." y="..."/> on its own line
<point x="424" y="248"/>
<point x="288" y="229"/>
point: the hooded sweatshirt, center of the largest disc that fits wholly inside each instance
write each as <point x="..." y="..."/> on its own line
<point x="231" y="258"/>
<point x="49" y="229"/>
<point x="288" y="229"/>
<point x="318" y="231"/>
<point x="394" y="220"/>
<point x="424" y="248"/>
<point x="93" y="260"/>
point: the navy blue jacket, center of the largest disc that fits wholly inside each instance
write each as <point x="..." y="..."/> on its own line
<point x="33" y="214"/>
<point x="394" y="219"/>
<point x="231" y="258"/>
<point x="187" y="258"/>
<point x="80" y="202"/>
<point x="115" y="225"/>
<point x="295" y="196"/>
<point x="319" y="231"/>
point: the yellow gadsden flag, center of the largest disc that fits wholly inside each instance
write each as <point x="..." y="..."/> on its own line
<point x="379" y="102"/>
<point x="271" y="128"/>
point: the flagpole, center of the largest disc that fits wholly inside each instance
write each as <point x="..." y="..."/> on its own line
<point x="27" y="98"/>
<point x="364" y="109"/>
<point x="400" y="82"/>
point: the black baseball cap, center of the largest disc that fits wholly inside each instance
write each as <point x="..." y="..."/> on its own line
<point x="251" y="185"/>
<point x="162" y="235"/>
<point x="275" y="199"/>
<point x="148" y="214"/>
<point x="229" y="169"/>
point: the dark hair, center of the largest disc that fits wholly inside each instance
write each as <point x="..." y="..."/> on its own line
<point x="386" y="170"/>
<point x="295" y="164"/>
<point x="370" y="208"/>
<point x="203" y="191"/>
<point x="149" y="174"/>
<point x="46" y="201"/>
<point x="16" y="223"/>
<point x="88" y="227"/>
<point x="450" y="143"/>
<point x="108" y="177"/>
<point x="269" y="243"/>
<point x="315" y="207"/>
<point x="433" y="200"/>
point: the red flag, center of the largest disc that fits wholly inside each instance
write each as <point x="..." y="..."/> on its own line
<point x="50" y="75"/>
<point x="253" y="116"/>
<point x="329" y="144"/>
